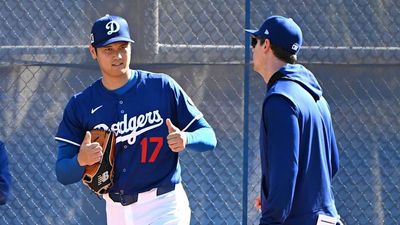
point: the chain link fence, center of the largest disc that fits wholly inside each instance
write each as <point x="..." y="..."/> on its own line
<point x="351" y="46"/>
<point x="341" y="32"/>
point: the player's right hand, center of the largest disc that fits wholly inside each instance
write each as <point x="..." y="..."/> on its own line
<point x="89" y="153"/>
<point x="176" y="138"/>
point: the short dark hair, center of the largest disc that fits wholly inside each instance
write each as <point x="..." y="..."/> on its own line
<point x="283" y="55"/>
<point x="262" y="40"/>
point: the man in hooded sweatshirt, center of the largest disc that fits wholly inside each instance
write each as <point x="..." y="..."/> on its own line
<point x="299" y="155"/>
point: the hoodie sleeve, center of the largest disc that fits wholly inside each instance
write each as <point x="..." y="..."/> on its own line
<point x="334" y="153"/>
<point x="5" y="176"/>
<point x="282" y="156"/>
<point x="333" y="149"/>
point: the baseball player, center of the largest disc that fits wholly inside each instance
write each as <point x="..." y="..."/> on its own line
<point x="153" y="119"/>
<point x="5" y="176"/>
<point x="299" y="155"/>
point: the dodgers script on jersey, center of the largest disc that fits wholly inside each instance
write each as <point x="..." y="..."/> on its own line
<point x="143" y="159"/>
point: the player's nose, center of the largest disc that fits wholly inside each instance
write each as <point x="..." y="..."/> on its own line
<point x="119" y="55"/>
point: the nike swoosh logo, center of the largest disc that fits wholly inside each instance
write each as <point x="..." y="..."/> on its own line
<point x="95" y="109"/>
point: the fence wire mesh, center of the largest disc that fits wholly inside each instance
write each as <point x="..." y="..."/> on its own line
<point x="352" y="46"/>
<point x="350" y="32"/>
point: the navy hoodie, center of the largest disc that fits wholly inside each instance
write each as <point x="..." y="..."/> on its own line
<point x="299" y="155"/>
<point x="5" y="177"/>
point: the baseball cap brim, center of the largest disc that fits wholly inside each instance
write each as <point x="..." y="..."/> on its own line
<point x="112" y="40"/>
<point x="251" y="31"/>
<point x="255" y="32"/>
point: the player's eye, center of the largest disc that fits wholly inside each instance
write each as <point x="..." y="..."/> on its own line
<point x="108" y="50"/>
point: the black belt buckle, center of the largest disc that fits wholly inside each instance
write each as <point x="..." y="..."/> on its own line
<point x="130" y="199"/>
<point x="165" y="189"/>
<point x="124" y="199"/>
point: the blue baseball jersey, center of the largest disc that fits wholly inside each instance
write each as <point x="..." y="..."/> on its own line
<point x="143" y="158"/>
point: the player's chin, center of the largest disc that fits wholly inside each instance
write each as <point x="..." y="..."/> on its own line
<point x="254" y="68"/>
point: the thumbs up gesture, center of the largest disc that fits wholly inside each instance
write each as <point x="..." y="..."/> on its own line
<point x="89" y="152"/>
<point x="176" y="138"/>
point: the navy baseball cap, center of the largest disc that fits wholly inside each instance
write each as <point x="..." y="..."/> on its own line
<point x="109" y="29"/>
<point x="282" y="32"/>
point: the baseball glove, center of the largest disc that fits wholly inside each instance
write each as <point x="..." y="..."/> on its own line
<point x="99" y="176"/>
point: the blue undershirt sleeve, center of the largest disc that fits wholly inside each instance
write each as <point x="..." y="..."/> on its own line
<point x="200" y="136"/>
<point x="68" y="170"/>
<point x="283" y="156"/>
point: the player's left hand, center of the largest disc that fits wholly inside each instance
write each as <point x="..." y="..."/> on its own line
<point x="257" y="203"/>
<point x="176" y="138"/>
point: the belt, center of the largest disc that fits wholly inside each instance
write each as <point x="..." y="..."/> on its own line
<point x="132" y="198"/>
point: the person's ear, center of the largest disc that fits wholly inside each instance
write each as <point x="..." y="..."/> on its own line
<point x="266" y="45"/>
<point x="92" y="51"/>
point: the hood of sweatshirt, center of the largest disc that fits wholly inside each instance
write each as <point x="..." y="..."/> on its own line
<point x="302" y="76"/>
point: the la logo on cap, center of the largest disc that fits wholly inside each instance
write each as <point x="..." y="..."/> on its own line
<point x="113" y="27"/>
<point x="109" y="29"/>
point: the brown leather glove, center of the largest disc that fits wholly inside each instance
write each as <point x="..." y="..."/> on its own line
<point x="99" y="176"/>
